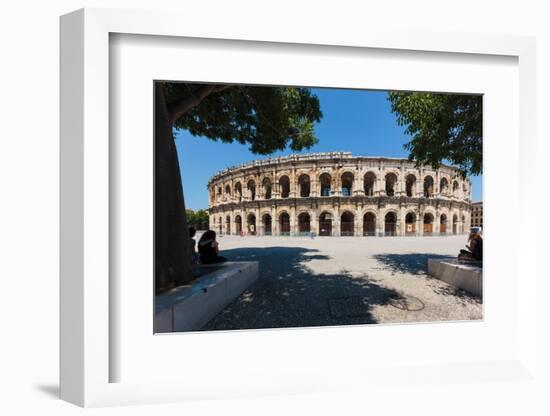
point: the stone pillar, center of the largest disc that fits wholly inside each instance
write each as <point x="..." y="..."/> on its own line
<point x="313" y="190"/>
<point x="293" y="220"/>
<point x="382" y="180"/>
<point x="420" y="222"/>
<point x="401" y="222"/>
<point x="380" y="224"/>
<point x="274" y="221"/>
<point x="314" y="225"/>
<point x="293" y="185"/>
<point x="336" y="222"/>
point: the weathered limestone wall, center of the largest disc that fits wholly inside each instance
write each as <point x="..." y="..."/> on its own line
<point x="404" y="199"/>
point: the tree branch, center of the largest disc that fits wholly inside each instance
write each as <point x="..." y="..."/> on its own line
<point x="180" y="107"/>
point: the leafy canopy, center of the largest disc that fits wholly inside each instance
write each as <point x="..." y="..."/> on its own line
<point x="443" y="127"/>
<point x="197" y="219"/>
<point x="266" y="118"/>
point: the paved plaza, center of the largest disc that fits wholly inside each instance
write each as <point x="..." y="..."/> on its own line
<point x="343" y="280"/>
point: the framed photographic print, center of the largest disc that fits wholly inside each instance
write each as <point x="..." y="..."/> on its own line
<point x="281" y="212"/>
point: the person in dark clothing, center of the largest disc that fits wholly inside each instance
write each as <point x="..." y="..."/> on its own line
<point x="208" y="248"/>
<point x="475" y="248"/>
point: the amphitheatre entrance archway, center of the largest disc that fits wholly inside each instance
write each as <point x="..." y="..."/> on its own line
<point x="266" y="222"/>
<point x="238" y="224"/>
<point x="251" y="224"/>
<point x="428" y="223"/>
<point x="325" y="224"/>
<point x="228" y="225"/>
<point x="304" y="223"/>
<point x="390" y="224"/>
<point x="369" y="224"/>
<point x="347" y="224"/>
<point x="410" y="223"/>
<point x="443" y="224"/>
<point x="284" y="224"/>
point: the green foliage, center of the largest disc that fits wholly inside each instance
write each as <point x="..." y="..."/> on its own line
<point x="197" y="219"/>
<point x="266" y="118"/>
<point x="444" y="127"/>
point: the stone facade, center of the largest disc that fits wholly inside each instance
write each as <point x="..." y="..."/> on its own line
<point x="477" y="214"/>
<point x="339" y="194"/>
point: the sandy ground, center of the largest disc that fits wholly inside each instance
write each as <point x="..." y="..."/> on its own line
<point x="346" y="280"/>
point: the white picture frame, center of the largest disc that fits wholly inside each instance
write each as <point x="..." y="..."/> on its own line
<point x="87" y="355"/>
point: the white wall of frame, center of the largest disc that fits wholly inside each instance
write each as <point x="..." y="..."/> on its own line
<point x="29" y="168"/>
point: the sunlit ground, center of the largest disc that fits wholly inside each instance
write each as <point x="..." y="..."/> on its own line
<point x="343" y="280"/>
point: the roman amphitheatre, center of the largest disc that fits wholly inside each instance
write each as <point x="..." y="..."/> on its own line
<point x="338" y="194"/>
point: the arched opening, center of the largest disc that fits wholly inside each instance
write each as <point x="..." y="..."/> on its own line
<point x="428" y="186"/>
<point x="391" y="182"/>
<point x="410" y="182"/>
<point x="284" y="184"/>
<point x="347" y="184"/>
<point x="251" y="224"/>
<point x="284" y="224"/>
<point x="304" y="223"/>
<point x="220" y="226"/>
<point x="228" y="191"/>
<point x="368" y="183"/>
<point x="266" y="185"/>
<point x="390" y="224"/>
<point x="239" y="191"/>
<point x="455" y="224"/>
<point x="238" y="224"/>
<point x="428" y="223"/>
<point x="325" y="181"/>
<point x="443" y="186"/>
<point x="266" y="222"/>
<point x="410" y="223"/>
<point x="305" y="185"/>
<point x="325" y="224"/>
<point x="443" y="224"/>
<point x="219" y="193"/>
<point x="251" y="186"/>
<point x="455" y="188"/>
<point x="347" y="224"/>
<point x="369" y="224"/>
<point x="228" y="225"/>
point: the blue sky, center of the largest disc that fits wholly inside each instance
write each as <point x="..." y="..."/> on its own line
<point x="357" y="121"/>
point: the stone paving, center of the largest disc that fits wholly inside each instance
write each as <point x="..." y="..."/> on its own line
<point x="343" y="280"/>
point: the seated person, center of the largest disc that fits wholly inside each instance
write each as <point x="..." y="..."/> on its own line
<point x="208" y="248"/>
<point x="475" y="248"/>
<point x="194" y="256"/>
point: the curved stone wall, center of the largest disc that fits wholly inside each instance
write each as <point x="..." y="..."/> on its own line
<point x="339" y="194"/>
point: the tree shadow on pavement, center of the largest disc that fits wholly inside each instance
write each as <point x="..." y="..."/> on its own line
<point x="411" y="263"/>
<point x="289" y="294"/>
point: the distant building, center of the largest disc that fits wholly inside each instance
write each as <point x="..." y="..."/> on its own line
<point x="337" y="194"/>
<point x="477" y="214"/>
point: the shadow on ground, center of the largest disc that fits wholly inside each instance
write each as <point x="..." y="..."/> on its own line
<point x="292" y="295"/>
<point x="413" y="263"/>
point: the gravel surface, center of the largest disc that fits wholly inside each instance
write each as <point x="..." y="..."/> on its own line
<point x="346" y="280"/>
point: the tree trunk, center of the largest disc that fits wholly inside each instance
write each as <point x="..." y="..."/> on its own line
<point x="172" y="241"/>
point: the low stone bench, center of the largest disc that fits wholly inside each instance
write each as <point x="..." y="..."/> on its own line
<point x="190" y="307"/>
<point x="464" y="276"/>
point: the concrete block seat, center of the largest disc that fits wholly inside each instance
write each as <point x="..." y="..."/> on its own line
<point x="190" y="307"/>
<point x="466" y="276"/>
